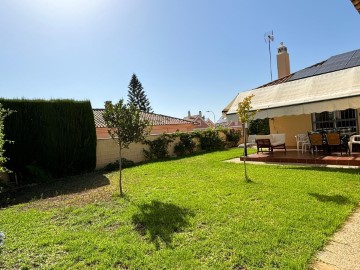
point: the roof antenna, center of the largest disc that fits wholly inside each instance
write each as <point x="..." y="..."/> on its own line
<point x="269" y="37"/>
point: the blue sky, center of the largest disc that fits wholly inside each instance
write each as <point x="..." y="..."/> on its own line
<point x="189" y="54"/>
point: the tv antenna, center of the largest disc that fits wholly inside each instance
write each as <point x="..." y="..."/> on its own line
<point x="269" y="37"/>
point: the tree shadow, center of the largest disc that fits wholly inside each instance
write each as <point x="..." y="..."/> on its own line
<point x="338" y="199"/>
<point x="322" y="169"/>
<point x="172" y="158"/>
<point x="68" y="185"/>
<point x="161" y="220"/>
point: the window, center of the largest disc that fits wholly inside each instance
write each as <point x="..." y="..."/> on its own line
<point x="346" y="119"/>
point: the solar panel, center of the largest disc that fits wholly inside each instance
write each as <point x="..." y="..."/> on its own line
<point x="354" y="61"/>
<point x="334" y="63"/>
<point x="306" y="72"/>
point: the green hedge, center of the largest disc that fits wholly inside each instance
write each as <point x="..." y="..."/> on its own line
<point x="56" y="137"/>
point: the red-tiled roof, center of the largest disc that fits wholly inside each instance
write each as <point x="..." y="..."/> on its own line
<point x="288" y="77"/>
<point x="155" y="119"/>
<point x="278" y="81"/>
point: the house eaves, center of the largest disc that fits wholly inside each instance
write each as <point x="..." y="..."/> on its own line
<point x="356" y="4"/>
<point x="333" y="66"/>
<point x="327" y="92"/>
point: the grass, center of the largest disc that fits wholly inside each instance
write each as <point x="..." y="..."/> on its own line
<point x="190" y="213"/>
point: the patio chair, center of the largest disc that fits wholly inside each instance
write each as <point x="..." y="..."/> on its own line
<point x="302" y="140"/>
<point x="263" y="141"/>
<point x="333" y="140"/>
<point x="271" y="142"/>
<point x="305" y="144"/>
<point x="355" y="139"/>
<point x="251" y="140"/>
<point x="316" y="141"/>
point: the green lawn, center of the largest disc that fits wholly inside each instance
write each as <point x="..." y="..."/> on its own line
<point x="190" y="213"/>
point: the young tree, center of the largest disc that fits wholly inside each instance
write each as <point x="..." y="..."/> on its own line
<point x="137" y="96"/>
<point x="125" y="126"/>
<point x="245" y="115"/>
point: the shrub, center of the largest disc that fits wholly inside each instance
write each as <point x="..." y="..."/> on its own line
<point x="186" y="145"/>
<point x="158" y="148"/>
<point x="3" y="186"/>
<point x="3" y="158"/>
<point x="210" y="140"/>
<point x="232" y="137"/>
<point x="37" y="174"/>
<point x="259" y="126"/>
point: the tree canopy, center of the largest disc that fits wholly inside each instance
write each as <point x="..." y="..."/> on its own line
<point x="137" y="96"/>
<point x="125" y="126"/>
<point x="244" y="110"/>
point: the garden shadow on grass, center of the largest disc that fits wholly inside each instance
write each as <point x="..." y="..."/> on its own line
<point x="338" y="199"/>
<point x="68" y="185"/>
<point x="321" y="169"/>
<point x="161" y="220"/>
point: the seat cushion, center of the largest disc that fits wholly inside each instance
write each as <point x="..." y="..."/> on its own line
<point x="261" y="137"/>
<point x="277" y="144"/>
<point x="277" y="139"/>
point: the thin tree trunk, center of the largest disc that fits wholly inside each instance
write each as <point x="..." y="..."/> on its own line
<point x="245" y="140"/>
<point x="120" y="171"/>
<point x="245" y="153"/>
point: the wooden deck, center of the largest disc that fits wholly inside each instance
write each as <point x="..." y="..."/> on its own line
<point x="293" y="156"/>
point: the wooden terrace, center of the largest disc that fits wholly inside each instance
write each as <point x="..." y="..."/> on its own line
<point x="294" y="156"/>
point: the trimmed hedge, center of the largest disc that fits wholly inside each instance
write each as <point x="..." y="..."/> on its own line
<point x="56" y="137"/>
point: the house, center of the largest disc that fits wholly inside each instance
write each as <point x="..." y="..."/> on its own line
<point x="160" y="124"/>
<point x="323" y="96"/>
<point x="199" y="120"/>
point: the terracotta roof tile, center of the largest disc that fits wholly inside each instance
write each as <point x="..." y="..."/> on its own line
<point x="155" y="119"/>
<point x="278" y="81"/>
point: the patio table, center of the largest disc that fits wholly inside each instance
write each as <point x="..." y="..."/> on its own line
<point x="344" y="139"/>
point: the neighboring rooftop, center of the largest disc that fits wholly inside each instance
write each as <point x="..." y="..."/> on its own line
<point x="195" y="117"/>
<point x="155" y="119"/>
<point x="199" y="119"/>
<point x="334" y="63"/>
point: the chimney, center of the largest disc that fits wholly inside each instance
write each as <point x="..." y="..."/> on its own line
<point x="283" y="61"/>
<point x="200" y="113"/>
<point x="189" y="114"/>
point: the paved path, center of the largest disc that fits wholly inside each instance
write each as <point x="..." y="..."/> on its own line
<point x="343" y="251"/>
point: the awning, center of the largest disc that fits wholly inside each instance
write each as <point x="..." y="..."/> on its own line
<point x="337" y="90"/>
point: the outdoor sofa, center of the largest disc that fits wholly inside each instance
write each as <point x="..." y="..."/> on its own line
<point x="270" y="142"/>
